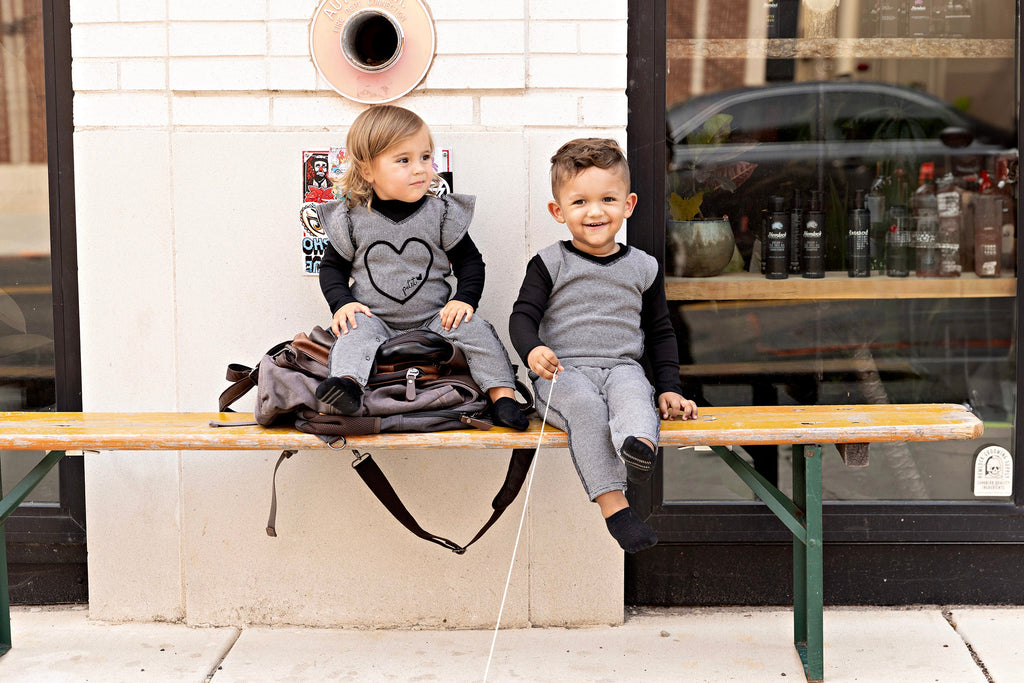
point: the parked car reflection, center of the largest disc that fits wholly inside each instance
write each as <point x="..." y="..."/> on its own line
<point x="821" y="135"/>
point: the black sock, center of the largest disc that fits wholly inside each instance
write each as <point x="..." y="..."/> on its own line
<point x="341" y="392"/>
<point x="630" y="531"/>
<point x="639" y="459"/>
<point x="508" y="413"/>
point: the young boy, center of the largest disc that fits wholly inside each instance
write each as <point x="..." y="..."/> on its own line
<point x="591" y="310"/>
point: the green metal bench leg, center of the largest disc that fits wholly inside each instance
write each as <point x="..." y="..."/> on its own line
<point x="5" y="598"/>
<point x="8" y="504"/>
<point x="808" y="592"/>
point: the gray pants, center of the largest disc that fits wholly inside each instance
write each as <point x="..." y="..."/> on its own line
<point x="353" y="354"/>
<point x="598" y="408"/>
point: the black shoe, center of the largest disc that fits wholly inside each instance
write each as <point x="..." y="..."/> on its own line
<point x="639" y="459"/>
<point x="507" y="413"/>
<point x="342" y="393"/>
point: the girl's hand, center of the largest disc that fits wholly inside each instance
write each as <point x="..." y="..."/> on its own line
<point x="454" y="312"/>
<point x="544" y="362"/>
<point x="671" y="406"/>
<point x="345" y="317"/>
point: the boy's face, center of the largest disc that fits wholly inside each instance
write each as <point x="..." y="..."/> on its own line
<point x="593" y="205"/>
<point x="404" y="169"/>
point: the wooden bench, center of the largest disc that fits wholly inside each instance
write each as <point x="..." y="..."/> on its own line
<point x="852" y="428"/>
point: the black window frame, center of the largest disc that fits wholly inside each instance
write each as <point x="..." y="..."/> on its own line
<point x="46" y="544"/>
<point x="991" y="532"/>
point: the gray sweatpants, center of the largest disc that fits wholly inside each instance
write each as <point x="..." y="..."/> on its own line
<point x="352" y="354"/>
<point x="598" y="408"/>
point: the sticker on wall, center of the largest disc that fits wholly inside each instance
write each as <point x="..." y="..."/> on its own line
<point x="993" y="472"/>
<point x="372" y="51"/>
<point x="321" y="171"/>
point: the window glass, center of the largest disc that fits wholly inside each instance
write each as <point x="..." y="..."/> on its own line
<point x="26" y="301"/>
<point x="895" y="133"/>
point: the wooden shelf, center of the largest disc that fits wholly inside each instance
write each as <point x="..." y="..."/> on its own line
<point x="827" y="48"/>
<point x="835" y="285"/>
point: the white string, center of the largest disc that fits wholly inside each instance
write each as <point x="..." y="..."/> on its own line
<point x="526" y="499"/>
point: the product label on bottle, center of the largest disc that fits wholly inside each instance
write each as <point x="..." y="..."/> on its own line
<point x="949" y="204"/>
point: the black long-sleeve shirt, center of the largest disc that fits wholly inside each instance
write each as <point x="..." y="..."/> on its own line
<point x="466" y="260"/>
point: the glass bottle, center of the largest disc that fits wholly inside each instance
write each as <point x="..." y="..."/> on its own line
<point x="796" y="232"/>
<point x="875" y="204"/>
<point x="926" y="223"/>
<point x="897" y="243"/>
<point x="950" y="209"/>
<point x="858" y="231"/>
<point x="813" y="243"/>
<point x="777" y="261"/>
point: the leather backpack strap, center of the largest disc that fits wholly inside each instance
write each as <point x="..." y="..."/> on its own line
<point x="378" y="483"/>
<point x="272" y="519"/>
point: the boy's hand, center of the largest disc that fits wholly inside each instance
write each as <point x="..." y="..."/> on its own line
<point x="345" y="317"/>
<point x="544" y="362"/>
<point x="454" y="312"/>
<point x="671" y="406"/>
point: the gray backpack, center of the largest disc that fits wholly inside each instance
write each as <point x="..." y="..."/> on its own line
<point x="420" y="383"/>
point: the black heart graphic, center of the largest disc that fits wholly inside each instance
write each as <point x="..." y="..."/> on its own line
<point x="405" y="274"/>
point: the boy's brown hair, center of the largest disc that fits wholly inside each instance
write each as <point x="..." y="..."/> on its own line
<point x="373" y="132"/>
<point x="577" y="155"/>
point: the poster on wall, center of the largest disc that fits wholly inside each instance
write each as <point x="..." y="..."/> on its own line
<point x="321" y="171"/>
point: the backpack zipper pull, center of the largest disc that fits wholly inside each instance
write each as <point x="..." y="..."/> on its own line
<point x="410" y="383"/>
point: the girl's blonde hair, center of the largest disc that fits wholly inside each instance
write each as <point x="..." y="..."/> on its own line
<point x="373" y="132"/>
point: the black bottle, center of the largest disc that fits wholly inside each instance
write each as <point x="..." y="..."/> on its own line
<point x="777" y="262"/>
<point x="858" y="231"/>
<point x="796" y="232"/>
<point x="813" y="242"/>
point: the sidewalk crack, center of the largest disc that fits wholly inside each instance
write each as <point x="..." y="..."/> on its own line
<point x="224" y="655"/>
<point x="947" y="613"/>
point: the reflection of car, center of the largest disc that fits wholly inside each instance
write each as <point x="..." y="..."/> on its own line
<point x="823" y="135"/>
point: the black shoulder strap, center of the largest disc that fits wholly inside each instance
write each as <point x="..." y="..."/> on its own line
<point x="373" y="476"/>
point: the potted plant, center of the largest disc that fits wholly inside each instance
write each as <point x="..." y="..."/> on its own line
<point x="699" y="245"/>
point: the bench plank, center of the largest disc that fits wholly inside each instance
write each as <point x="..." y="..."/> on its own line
<point x="721" y="426"/>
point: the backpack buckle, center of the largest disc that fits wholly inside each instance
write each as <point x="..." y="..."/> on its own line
<point x="410" y="383"/>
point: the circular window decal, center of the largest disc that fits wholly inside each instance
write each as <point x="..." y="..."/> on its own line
<point x="372" y="51"/>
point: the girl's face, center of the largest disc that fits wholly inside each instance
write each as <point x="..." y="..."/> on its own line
<point x="403" y="171"/>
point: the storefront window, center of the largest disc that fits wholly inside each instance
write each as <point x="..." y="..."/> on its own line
<point x="26" y="301"/>
<point x="841" y="182"/>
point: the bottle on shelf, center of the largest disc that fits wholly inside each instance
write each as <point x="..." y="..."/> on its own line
<point x="858" y="231"/>
<point x="926" y="223"/>
<point x="813" y="244"/>
<point x="889" y="15"/>
<point x="919" y="19"/>
<point x="950" y="207"/>
<point x="988" y="214"/>
<point x="772" y="26"/>
<point x="958" y="19"/>
<point x="897" y="243"/>
<point x="796" y="232"/>
<point x="1006" y="187"/>
<point x="777" y="260"/>
<point x="875" y="204"/>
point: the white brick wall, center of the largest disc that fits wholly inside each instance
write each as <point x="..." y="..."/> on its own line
<point x="523" y="63"/>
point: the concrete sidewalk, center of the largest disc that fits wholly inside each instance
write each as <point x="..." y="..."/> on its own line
<point x="926" y="644"/>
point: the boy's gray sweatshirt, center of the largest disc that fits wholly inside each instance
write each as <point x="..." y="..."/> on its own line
<point x="593" y="314"/>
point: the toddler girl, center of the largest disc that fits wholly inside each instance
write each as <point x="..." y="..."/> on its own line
<point x="391" y="247"/>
